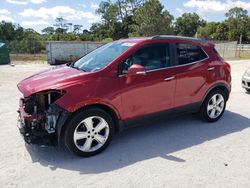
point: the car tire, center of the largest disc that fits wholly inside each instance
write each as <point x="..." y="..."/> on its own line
<point x="248" y="90"/>
<point x="89" y="132"/>
<point x="213" y="106"/>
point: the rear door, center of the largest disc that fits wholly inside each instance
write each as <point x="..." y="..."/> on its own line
<point x="192" y="68"/>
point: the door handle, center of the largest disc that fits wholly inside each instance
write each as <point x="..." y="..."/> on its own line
<point x="141" y="72"/>
<point x="211" y="68"/>
<point x="169" y="78"/>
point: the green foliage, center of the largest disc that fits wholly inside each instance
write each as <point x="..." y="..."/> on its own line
<point x="124" y="18"/>
<point x="31" y="43"/>
<point x="107" y="40"/>
<point x="236" y="13"/>
<point x="99" y="31"/>
<point x="65" y="37"/>
<point x="48" y="30"/>
<point x="108" y="13"/>
<point x="237" y="24"/>
<point x="61" y="25"/>
<point x="77" y="29"/>
<point x="8" y="31"/>
<point x="86" y="36"/>
<point x="187" y="24"/>
<point x="151" y="19"/>
<point x="222" y="31"/>
<point x="116" y="19"/>
<point x="236" y="21"/>
<point x="208" y="31"/>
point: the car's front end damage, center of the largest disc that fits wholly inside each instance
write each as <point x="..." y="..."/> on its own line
<point x="39" y="118"/>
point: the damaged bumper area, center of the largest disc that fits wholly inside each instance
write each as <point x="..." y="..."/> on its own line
<point x="39" y="119"/>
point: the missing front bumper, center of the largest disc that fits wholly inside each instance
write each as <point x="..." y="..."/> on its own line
<point x="41" y="129"/>
<point x="31" y="136"/>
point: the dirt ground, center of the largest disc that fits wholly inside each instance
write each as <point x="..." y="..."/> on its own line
<point x="177" y="152"/>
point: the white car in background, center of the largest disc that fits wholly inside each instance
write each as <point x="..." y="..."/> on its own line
<point x="246" y="80"/>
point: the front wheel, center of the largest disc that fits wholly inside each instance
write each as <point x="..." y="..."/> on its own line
<point x="214" y="106"/>
<point x="89" y="132"/>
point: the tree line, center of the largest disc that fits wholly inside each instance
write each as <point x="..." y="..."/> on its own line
<point x="130" y="18"/>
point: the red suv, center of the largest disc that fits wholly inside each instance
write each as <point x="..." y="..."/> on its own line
<point x="84" y="103"/>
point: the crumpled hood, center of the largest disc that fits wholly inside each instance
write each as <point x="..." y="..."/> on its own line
<point x="55" y="78"/>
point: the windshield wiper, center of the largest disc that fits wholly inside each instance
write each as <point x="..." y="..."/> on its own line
<point x="82" y="69"/>
<point x="77" y="68"/>
<point x="74" y="67"/>
<point x="70" y="64"/>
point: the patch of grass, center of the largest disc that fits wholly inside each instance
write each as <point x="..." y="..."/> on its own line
<point x="28" y="57"/>
<point x="243" y="55"/>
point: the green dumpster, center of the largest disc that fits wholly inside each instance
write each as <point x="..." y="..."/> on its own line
<point x="4" y="54"/>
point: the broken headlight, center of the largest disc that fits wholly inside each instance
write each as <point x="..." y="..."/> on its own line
<point x="40" y="102"/>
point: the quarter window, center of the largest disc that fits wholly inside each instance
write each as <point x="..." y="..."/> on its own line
<point x="189" y="53"/>
<point x="151" y="57"/>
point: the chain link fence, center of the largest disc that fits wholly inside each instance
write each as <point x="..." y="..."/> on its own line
<point x="60" y="52"/>
<point x="227" y="49"/>
<point x="244" y="48"/>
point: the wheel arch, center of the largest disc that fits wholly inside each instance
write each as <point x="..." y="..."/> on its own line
<point x="113" y="113"/>
<point x="107" y="108"/>
<point x="218" y="86"/>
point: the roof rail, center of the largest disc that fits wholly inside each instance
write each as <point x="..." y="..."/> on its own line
<point x="178" y="37"/>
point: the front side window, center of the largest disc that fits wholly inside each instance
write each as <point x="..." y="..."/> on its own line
<point x="151" y="57"/>
<point x="102" y="56"/>
<point x="189" y="53"/>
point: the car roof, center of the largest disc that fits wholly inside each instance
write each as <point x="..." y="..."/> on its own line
<point x="179" y="38"/>
<point x="135" y="39"/>
<point x="159" y="37"/>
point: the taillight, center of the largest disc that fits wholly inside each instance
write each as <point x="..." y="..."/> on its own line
<point x="228" y="67"/>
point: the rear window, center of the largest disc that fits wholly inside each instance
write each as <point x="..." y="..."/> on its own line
<point x="217" y="53"/>
<point x="189" y="53"/>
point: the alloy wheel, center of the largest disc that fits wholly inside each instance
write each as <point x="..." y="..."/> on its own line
<point x="215" y="106"/>
<point x="91" y="134"/>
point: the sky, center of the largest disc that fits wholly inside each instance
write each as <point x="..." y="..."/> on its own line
<point x="38" y="14"/>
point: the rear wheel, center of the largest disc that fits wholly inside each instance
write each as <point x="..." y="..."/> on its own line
<point x="214" y="106"/>
<point x="89" y="132"/>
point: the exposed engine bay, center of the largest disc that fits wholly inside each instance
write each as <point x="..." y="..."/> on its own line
<point x="39" y="117"/>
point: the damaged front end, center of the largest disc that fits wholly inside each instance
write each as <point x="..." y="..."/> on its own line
<point x="40" y="119"/>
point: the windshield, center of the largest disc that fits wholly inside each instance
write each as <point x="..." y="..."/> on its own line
<point x="102" y="56"/>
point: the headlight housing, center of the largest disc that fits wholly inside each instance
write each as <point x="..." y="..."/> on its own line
<point x="39" y="102"/>
<point x="247" y="73"/>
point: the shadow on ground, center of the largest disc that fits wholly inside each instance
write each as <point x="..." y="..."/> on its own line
<point x="156" y="139"/>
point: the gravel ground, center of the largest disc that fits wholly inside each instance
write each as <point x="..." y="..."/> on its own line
<point x="177" y="152"/>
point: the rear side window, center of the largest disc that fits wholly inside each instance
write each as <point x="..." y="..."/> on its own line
<point x="217" y="53"/>
<point x="189" y="53"/>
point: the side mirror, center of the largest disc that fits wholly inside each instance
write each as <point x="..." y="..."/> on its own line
<point x="135" y="70"/>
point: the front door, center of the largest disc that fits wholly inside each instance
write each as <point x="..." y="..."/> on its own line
<point x="143" y="94"/>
